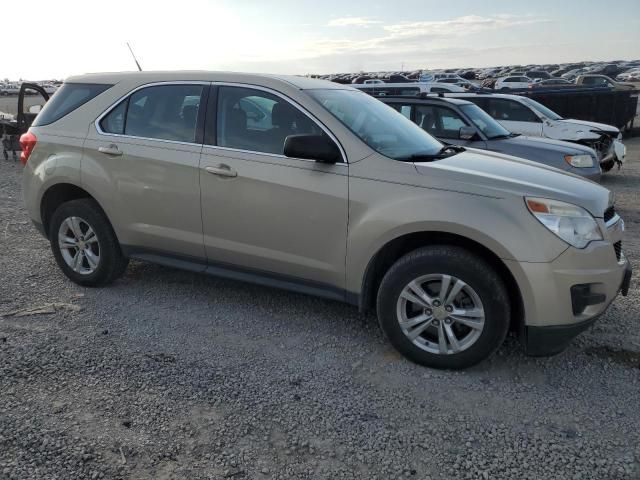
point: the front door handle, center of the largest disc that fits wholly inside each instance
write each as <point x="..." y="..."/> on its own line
<point x="222" y="170"/>
<point x="111" y="150"/>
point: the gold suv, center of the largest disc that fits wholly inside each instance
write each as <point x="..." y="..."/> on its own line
<point x="319" y="188"/>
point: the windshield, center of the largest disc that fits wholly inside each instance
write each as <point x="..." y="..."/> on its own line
<point x="485" y="123"/>
<point x="378" y="125"/>
<point x="550" y="114"/>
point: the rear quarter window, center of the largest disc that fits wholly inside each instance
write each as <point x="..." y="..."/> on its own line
<point x="69" y="97"/>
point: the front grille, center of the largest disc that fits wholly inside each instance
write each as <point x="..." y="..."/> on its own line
<point x="609" y="213"/>
<point x="617" y="247"/>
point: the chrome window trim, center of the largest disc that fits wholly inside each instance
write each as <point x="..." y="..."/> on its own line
<point x="274" y="155"/>
<point x="214" y="83"/>
<point x="295" y="104"/>
<point x="127" y="95"/>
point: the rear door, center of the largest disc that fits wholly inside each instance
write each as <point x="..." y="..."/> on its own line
<point x="266" y="215"/>
<point x="514" y="116"/>
<point x="142" y="164"/>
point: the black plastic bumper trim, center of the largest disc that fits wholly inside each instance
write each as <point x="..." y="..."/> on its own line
<point x="544" y="341"/>
<point x="626" y="280"/>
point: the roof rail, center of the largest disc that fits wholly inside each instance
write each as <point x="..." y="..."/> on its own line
<point x="432" y="94"/>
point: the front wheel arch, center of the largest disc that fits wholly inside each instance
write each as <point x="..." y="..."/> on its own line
<point x="393" y="250"/>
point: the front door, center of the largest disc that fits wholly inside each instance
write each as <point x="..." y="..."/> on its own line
<point x="265" y="214"/>
<point x="445" y="123"/>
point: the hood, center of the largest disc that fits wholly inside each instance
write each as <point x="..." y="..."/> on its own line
<point x="542" y="145"/>
<point x="492" y="174"/>
<point x="592" y="125"/>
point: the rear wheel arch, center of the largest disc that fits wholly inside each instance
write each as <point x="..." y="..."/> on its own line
<point x="58" y="194"/>
<point x="393" y="250"/>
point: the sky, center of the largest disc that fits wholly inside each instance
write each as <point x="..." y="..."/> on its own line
<point x="69" y="37"/>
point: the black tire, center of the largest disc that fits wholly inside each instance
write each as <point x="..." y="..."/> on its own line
<point x="112" y="262"/>
<point x="466" y="266"/>
<point x="608" y="165"/>
<point x="505" y="89"/>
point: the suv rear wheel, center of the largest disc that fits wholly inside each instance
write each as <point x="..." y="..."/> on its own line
<point x="444" y="307"/>
<point x="84" y="244"/>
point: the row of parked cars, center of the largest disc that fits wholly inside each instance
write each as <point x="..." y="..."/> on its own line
<point x="13" y="88"/>
<point x="619" y="70"/>
<point x="514" y="81"/>
<point x="520" y="115"/>
<point x="403" y="205"/>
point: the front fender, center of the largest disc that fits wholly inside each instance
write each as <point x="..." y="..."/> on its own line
<point x="502" y="225"/>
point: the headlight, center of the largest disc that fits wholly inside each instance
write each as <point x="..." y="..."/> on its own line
<point x="579" y="161"/>
<point x="571" y="223"/>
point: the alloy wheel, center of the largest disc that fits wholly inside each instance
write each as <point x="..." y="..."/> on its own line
<point x="440" y="314"/>
<point x="79" y="245"/>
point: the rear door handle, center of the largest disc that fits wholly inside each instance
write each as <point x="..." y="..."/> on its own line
<point x="110" y="150"/>
<point x="222" y="170"/>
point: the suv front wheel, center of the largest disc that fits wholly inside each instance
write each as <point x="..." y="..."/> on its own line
<point x="84" y="244"/>
<point x="444" y="307"/>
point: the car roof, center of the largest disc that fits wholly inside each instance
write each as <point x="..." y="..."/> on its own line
<point x="303" y="83"/>
<point x="431" y="98"/>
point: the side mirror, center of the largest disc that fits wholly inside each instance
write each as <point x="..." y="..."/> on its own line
<point x="312" y="147"/>
<point x="35" y="108"/>
<point x="467" y="133"/>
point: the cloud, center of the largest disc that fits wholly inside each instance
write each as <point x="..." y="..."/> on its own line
<point x="352" y="22"/>
<point x="465" y="25"/>
<point x="408" y="36"/>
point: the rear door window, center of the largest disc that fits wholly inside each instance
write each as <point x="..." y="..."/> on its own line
<point x="69" y="97"/>
<point x="512" y="111"/>
<point x="163" y="112"/>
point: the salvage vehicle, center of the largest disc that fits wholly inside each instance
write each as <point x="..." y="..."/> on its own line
<point x="537" y="75"/>
<point x="523" y="115"/>
<point x="512" y="83"/>
<point x="632" y="75"/>
<point x="553" y="83"/>
<point x="381" y="90"/>
<point x="460" y="122"/>
<point x="9" y="89"/>
<point x="12" y="127"/>
<point x="602" y="81"/>
<point x="340" y="196"/>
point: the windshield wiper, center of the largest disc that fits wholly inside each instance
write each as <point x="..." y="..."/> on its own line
<point x="444" y="152"/>
<point x="510" y="135"/>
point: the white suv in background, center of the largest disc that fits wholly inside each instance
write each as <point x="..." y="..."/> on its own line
<point x="512" y="83"/>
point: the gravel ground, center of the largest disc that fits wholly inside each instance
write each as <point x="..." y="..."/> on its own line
<point x="172" y="375"/>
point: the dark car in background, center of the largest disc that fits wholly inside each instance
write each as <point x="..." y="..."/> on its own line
<point x="538" y="75"/>
<point x="461" y="122"/>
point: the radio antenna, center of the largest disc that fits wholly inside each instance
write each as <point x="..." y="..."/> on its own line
<point x="134" y="57"/>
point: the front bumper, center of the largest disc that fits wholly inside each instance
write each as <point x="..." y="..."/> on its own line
<point x="563" y="297"/>
<point x="549" y="340"/>
<point x="619" y="150"/>
<point x="616" y="152"/>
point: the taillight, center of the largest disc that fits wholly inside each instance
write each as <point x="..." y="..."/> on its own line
<point x="27" y="143"/>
